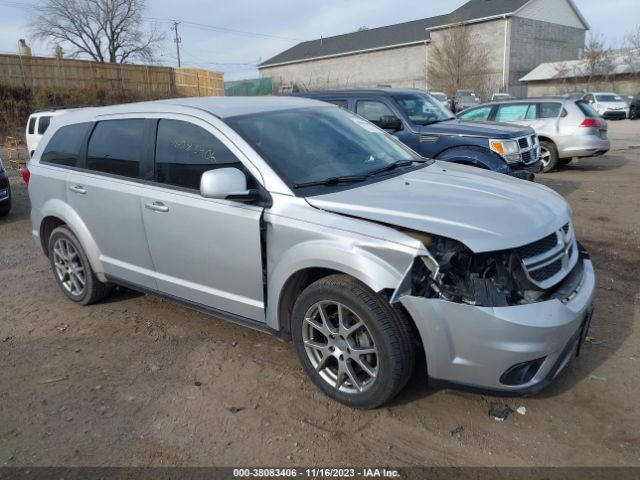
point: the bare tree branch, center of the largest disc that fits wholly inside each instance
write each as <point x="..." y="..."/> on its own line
<point x="105" y="30"/>
<point x="457" y="60"/>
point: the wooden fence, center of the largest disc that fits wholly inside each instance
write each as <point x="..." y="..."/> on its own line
<point x="143" y="80"/>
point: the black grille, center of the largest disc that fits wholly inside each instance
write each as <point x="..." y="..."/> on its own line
<point x="546" y="272"/>
<point x="526" y="157"/>
<point x="539" y="247"/>
<point x="523" y="143"/>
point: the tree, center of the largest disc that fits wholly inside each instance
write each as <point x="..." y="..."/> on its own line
<point x="457" y="60"/>
<point x="632" y="39"/>
<point x="599" y="59"/>
<point x="105" y="30"/>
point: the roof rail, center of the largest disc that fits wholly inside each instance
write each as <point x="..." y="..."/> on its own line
<point x="62" y="107"/>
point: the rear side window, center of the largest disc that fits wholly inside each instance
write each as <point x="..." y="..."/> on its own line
<point x="32" y="125"/>
<point x="373" y="111"/>
<point x="185" y="151"/>
<point x="517" y="112"/>
<point x="478" y="114"/>
<point x="116" y="147"/>
<point x="551" y="110"/>
<point x="64" y="147"/>
<point x="43" y="124"/>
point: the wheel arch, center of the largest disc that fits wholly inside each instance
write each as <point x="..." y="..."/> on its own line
<point x="303" y="267"/>
<point x="474" y="155"/>
<point x="57" y="213"/>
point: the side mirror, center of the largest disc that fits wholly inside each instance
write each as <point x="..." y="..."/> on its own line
<point x="225" y="183"/>
<point x="390" y="122"/>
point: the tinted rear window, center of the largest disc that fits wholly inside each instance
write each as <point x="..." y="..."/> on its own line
<point x="64" y="147"/>
<point x="43" y="124"/>
<point x="116" y="147"/>
<point x="551" y="110"/>
<point x="32" y="125"/>
<point x="587" y="110"/>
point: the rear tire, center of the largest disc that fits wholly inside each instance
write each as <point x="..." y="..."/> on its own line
<point x="351" y="342"/>
<point x="71" y="269"/>
<point x="548" y="156"/>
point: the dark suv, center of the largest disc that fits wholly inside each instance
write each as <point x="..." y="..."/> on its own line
<point x="5" y="192"/>
<point x="425" y="125"/>
<point x="634" y="108"/>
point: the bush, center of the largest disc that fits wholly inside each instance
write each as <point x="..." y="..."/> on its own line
<point x="17" y="103"/>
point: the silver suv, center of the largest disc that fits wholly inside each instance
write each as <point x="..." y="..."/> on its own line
<point x="567" y="127"/>
<point x="300" y="219"/>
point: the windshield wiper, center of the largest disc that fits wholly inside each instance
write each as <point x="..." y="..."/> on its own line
<point x="332" y="181"/>
<point x="395" y="166"/>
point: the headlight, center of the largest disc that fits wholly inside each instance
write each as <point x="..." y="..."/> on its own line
<point x="507" y="149"/>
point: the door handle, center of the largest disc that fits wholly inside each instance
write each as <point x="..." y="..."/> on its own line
<point x="78" y="189"/>
<point x="157" y="207"/>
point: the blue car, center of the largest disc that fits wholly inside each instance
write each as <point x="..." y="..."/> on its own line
<point x="429" y="128"/>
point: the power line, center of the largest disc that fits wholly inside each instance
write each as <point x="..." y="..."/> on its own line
<point x="225" y="29"/>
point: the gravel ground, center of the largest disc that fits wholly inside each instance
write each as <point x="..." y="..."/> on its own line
<point x="138" y="381"/>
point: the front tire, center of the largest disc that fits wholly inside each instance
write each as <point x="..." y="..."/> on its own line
<point x="548" y="156"/>
<point x="351" y="342"/>
<point x="71" y="268"/>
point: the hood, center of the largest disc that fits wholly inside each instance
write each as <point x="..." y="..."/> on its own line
<point x="484" y="210"/>
<point x="482" y="129"/>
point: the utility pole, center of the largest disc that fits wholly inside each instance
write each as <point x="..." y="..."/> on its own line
<point x="177" y="40"/>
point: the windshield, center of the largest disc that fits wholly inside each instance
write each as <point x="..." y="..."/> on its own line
<point x="422" y="109"/>
<point x="320" y="143"/>
<point x="468" y="99"/>
<point x="609" y="98"/>
<point x="439" y="96"/>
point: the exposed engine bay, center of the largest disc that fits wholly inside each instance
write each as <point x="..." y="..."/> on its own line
<point x="454" y="273"/>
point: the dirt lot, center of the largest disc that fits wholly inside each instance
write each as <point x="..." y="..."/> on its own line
<point x="139" y="381"/>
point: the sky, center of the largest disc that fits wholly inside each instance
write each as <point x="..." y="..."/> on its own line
<point x="235" y="36"/>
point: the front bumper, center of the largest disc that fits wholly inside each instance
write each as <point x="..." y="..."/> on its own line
<point x="614" y="115"/>
<point x="526" y="172"/>
<point x="473" y="347"/>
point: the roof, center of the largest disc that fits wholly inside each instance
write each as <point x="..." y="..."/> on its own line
<point x="221" y="107"/>
<point x="358" y="91"/>
<point x="390" y="36"/>
<point x="619" y="64"/>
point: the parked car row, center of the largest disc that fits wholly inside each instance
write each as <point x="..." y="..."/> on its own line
<point x="304" y="220"/>
<point x="422" y="123"/>
<point x="567" y="128"/>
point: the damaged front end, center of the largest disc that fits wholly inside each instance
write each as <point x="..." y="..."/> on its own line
<point x="519" y="276"/>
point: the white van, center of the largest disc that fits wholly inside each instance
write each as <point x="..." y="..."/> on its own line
<point x="38" y="124"/>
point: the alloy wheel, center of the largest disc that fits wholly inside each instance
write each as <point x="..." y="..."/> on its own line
<point x="340" y="347"/>
<point x="69" y="268"/>
<point x="545" y="156"/>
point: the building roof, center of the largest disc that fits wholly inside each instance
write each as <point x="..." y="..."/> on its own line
<point x="618" y="64"/>
<point x="406" y="33"/>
